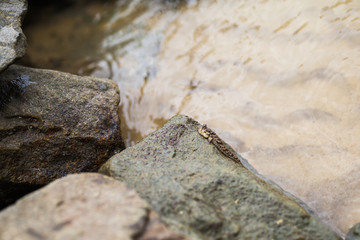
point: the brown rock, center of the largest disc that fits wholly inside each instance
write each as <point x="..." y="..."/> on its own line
<point x="80" y="206"/>
<point x="56" y="124"/>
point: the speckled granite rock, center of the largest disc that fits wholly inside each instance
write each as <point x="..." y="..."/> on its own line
<point x="12" y="39"/>
<point x="354" y="233"/>
<point x="198" y="191"/>
<point x="81" y="206"/>
<point x="56" y="124"/>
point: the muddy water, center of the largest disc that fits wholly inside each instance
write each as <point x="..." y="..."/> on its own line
<point x="278" y="80"/>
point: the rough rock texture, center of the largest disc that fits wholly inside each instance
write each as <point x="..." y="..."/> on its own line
<point x="156" y="230"/>
<point x="80" y="206"/>
<point x="12" y="39"/>
<point x="56" y="124"/>
<point x="354" y="233"/>
<point x="198" y="191"/>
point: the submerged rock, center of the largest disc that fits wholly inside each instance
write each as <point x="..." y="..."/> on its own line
<point x="12" y="39"/>
<point x="82" y="206"/>
<point x="354" y="233"/>
<point x="55" y="124"/>
<point x="199" y="191"/>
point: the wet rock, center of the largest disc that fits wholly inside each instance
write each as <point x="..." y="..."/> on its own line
<point x="12" y="39"/>
<point x="55" y="124"/>
<point x="197" y="190"/>
<point x="354" y="233"/>
<point x="79" y="206"/>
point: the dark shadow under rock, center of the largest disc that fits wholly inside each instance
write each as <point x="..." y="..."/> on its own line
<point x="198" y="191"/>
<point x="10" y="192"/>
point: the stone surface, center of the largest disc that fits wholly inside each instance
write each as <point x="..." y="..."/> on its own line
<point x="156" y="230"/>
<point x="12" y="39"/>
<point x="79" y="206"/>
<point x="197" y="190"/>
<point x="9" y="89"/>
<point x="56" y="124"/>
<point x="354" y="233"/>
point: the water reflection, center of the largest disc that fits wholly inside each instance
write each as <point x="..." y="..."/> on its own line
<point x="278" y="80"/>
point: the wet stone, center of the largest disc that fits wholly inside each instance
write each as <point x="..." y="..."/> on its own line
<point x="53" y="124"/>
<point x="12" y="39"/>
<point x="198" y="191"/>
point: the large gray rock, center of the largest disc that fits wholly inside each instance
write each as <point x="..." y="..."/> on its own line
<point x="12" y="39"/>
<point x="82" y="206"/>
<point x="55" y="124"/>
<point x="354" y="233"/>
<point x="198" y="191"/>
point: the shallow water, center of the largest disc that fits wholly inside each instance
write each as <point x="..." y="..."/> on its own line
<point x="278" y="80"/>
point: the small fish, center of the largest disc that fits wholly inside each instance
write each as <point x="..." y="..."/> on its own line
<point x="213" y="138"/>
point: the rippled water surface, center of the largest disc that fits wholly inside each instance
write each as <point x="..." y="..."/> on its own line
<point x="278" y="80"/>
